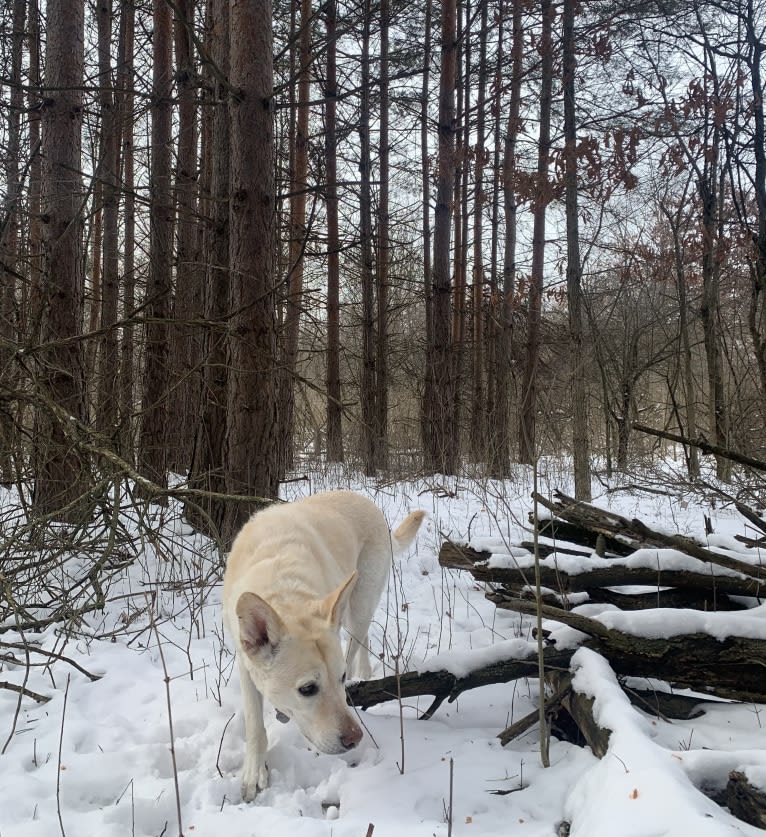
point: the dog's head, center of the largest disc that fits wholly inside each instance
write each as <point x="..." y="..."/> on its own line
<point x="296" y="662"/>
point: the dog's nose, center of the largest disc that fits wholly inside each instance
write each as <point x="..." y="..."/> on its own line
<point x="351" y="737"/>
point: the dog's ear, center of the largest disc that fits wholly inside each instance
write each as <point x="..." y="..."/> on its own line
<point x="334" y="606"/>
<point x="260" y="627"/>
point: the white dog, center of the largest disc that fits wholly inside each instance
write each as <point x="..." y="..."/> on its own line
<point x="297" y="572"/>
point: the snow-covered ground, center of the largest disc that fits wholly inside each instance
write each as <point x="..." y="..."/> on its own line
<point x="96" y="758"/>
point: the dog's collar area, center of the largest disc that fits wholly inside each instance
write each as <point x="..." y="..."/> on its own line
<point x="281" y="717"/>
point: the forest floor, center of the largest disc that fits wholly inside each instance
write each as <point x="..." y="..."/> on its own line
<point x="96" y="758"/>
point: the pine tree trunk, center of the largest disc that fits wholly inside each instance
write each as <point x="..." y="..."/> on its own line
<point x="334" y="395"/>
<point x="61" y="469"/>
<point x="297" y="232"/>
<point x="251" y="461"/>
<point x="500" y="462"/>
<point x="153" y="448"/>
<point x="127" y="359"/>
<point x="478" y="403"/>
<point x="208" y="462"/>
<point x="384" y="253"/>
<point x="11" y="325"/>
<point x="441" y="455"/>
<point x="186" y="342"/>
<point x="527" y="425"/>
<point x="368" y="371"/>
<point x="108" y="175"/>
<point x="427" y="403"/>
<point x="580" y="434"/>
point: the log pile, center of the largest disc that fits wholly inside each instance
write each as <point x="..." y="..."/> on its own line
<point x="611" y="557"/>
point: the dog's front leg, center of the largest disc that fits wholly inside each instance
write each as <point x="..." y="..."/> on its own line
<point x="255" y="775"/>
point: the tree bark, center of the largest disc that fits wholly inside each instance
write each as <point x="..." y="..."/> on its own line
<point x="61" y="470"/>
<point x="251" y="460"/>
<point x="479" y="406"/>
<point x="108" y="175"/>
<point x="500" y="462"/>
<point x="186" y="343"/>
<point x="153" y="448"/>
<point x="125" y="75"/>
<point x="384" y="251"/>
<point x="441" y="454"/>
<point x="334" y="393"/>
<point x="209" y="459"/>
<point x="11" y="325"/>
<point x="368" y="370"/>
<point x="298" y="232"/>
<point x="580" y="433"/>
<point x="528" y="418"/>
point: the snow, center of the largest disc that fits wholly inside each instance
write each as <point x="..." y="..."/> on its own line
<point x="98" y="756"/>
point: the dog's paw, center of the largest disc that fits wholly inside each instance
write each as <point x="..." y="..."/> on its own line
<point x="253" y="781"/>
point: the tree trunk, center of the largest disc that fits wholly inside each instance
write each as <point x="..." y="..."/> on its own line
<point x="185" y="346"/>
<point x="381" y="341"/>
<point x="441" y="456"/>
<point x="61" y="469"/>
<point x="427" y="402"/>
<point x="11" y="325"/>
<point x="298" y="233"/>
<point x="153" y="448"/>
<point x="687" y="370"/>
<point x="125" y="77"/>
<point x="479" y="406"/>
<point x="108" y="174"/>
<point x="334" y="394"/>
<point x="527" y="425"/>
<point x="500" y="462"/>
<point x="208" y="462"/>
<point x="580" y="434"/>
<point x="251" y="460"/>
<point x="368" y="371"/>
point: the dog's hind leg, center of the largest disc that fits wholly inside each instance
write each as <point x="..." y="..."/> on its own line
<point x="255" y="775"/>
<point x="373" y="569"/>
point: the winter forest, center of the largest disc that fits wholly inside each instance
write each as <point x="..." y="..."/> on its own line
<point x="501" y="260"/>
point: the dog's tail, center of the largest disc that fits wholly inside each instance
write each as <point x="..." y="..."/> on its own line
<point x="405" y="532"/>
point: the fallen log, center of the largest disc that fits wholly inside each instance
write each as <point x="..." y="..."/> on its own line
<point x="636" y="534"/>
<point x="745" y="801"/>
<point x="675" y="598"/>
<point x="445" y="685"/>
<point x="733" y="667"/>
<point x="562" y="530"/>
<point x="599" y="574"/>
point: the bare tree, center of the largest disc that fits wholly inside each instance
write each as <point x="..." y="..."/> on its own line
<point x="501" y="448"/>
<point x="153" y="448"/>
<point x="441" y="454"/>
<point x="298" y="232"/>
<point x="334" y="406"/>
<point x="61" y="472"/>
<point x="528" y="417"/>
<point x="384" y="250"/>
<point x="108" y="175"/>
<point x="125" y="76"/>
<point x="207" y="469"/>
<point x="580" y="434"/>
<point x="186" y="342"/>
<point x="251" y="461"/>
<point x="10" y="324"/>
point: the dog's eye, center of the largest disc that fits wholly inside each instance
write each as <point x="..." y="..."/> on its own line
<point x="309" y="689"/>
<point x="343" y="679"/>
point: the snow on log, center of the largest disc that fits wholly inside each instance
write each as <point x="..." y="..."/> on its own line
<point x="662" y="797"/>
<point x="722" y="654"/>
